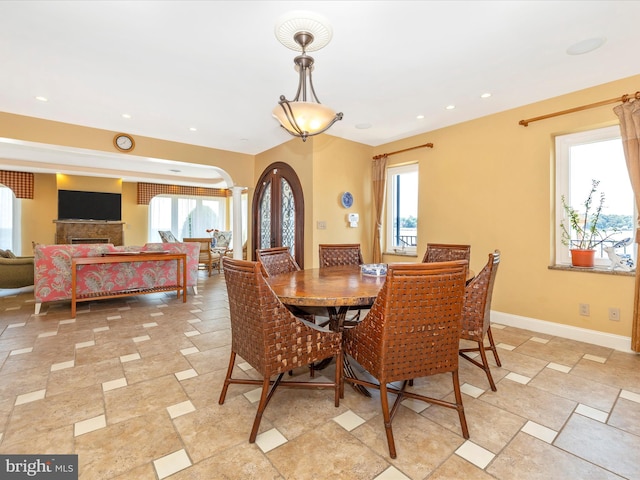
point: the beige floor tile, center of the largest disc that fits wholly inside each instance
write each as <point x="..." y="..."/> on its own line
<point x="156" y="366"/>
<point x="529" y="402"/>
<point x="601" y="444"/>
<point x="421" y="444"/>
<point x="527" y="458"/>
<point x="81" y="376"/>
<point x="489" y="426"/>
<point x="216" y="428"/>
<point x="143" y="398"/>
<point x="107" y="452"/>
<point x="244" y="462"/>
<point x="350" y="460"/>
<point x="55" y="411"/>
<point x="580" y="390"/>
<point x="456" y="468"/>
<point x="626" y="416"/>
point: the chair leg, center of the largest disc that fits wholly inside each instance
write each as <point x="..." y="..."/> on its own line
<point x="387" y="420"/>
<point x="493" y="346"/>
<point x="485" y="365"/>
<point x="264" y="398"/>
<point x="227" y="379"/>
<point x="459" y="405"/>
<point x="338" y="378"/>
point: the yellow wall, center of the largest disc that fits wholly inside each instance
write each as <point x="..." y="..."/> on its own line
<point x="490" y="183"/>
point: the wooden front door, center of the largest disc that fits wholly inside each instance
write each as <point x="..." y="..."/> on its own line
<point x="278" y="207"/>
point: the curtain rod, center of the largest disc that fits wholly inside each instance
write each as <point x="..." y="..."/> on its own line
<point x="623" y="98"/>
<point x="430" y="145"/>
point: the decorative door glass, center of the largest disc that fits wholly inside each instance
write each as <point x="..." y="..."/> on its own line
<point x="265" y="217"/>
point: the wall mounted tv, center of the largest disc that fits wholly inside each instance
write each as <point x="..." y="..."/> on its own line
<point x="77" y="205"/>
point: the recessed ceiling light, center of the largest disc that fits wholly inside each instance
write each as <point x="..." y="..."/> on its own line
<point x="193" y="129"/>
<point x="420" y="117"/>
<point x="126" y="115"/>
<point x="42" y="99"/>
<point x="485" y="95"/>
<point x="586" y="46"/>
<point x="450" y="107"/>
<point x="363" y="126"/>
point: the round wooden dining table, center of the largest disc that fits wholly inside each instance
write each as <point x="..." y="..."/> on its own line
<point x="333" y="288"/>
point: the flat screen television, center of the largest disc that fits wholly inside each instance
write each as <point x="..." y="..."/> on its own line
<point x="77" y="205"/>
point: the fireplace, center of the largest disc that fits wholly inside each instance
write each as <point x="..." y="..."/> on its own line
<point x="89" y="240"/>
<point x="89" y="231"/>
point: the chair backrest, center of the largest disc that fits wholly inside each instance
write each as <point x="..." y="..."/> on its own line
<point x="167" y="236"/>
<point x="413" y="327"/>
<point x="336" y="254"/>
<point x="205" y="245"/>
<point x="221" y="238"/>
<point x="276" y="260"/>
<point x="261" y="326"/>
<point x="446" y="252"/>
<point x="477" y="300"/>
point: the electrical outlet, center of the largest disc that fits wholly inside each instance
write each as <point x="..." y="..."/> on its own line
<point x="584" y="309"/>
<point x="321" y="224"/>
<point x="614" y="314"/>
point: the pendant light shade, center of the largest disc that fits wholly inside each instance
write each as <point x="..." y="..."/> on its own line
<point x="304" y="115"/>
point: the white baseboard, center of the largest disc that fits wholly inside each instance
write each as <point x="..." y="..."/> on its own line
<point x="617" y="342"/>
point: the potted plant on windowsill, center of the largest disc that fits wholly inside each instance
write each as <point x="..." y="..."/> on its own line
<point x="582" y="234"/>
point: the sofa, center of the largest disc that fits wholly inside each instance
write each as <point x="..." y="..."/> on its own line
<point x="16" y="272"/>
<point x="52" y="267"/>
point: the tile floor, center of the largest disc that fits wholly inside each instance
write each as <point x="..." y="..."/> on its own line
<point x="131" y="385"/>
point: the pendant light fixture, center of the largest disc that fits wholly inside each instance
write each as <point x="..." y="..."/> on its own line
<point x="304" y="115"/>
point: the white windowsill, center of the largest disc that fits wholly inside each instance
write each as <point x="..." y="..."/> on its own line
<point x="597" y="269"/>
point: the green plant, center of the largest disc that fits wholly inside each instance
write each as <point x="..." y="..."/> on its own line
<point x="584" y="227"/>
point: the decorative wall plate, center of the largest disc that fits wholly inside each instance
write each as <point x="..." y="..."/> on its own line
<point x="347" y="200"/>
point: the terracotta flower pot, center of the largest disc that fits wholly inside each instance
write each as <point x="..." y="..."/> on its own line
<point x="582" y="258"/>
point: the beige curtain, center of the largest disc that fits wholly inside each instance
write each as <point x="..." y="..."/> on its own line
<point x="379" y="187"/>
<point x="629" y="115"/>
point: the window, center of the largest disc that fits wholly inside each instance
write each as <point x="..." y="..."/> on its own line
<point x="595" y="155"/>
<point x="186" y="216"/>
<point x="8" y="218"/>
<point x="402" y="208"/>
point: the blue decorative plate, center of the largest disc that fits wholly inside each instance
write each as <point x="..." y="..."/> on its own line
<point x="347" y="200"/>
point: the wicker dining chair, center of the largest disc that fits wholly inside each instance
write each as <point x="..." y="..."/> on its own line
<point x="445" y="252"/>
<point x="412" y="331"/>
<point x="476" y="321"/>
<point x="332" y="255"/>
<point x="276" y="260"/>
<point x="270" y="338"/>
<point x="337" y="254"/>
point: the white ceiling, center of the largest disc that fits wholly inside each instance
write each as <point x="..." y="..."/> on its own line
<point x="217" y="66"/>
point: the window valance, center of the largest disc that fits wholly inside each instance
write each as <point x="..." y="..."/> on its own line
<point x="146" y="191"/>
<point x="20" y="182"/>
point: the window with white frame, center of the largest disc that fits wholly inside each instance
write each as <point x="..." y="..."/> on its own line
<point x="186" y="217"/>
<point x="402" y="209"/>
<point x="595" y="155"/>
<point x="8" y="218"/>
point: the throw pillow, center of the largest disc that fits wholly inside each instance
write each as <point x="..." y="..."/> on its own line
<point x="10" y="254"/>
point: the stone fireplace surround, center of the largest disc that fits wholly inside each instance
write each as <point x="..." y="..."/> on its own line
<point x="89" y="231"/>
